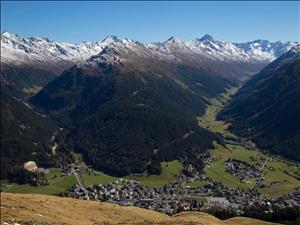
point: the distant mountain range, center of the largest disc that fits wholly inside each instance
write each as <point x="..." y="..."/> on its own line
<point x="56" y="56"/>
<point x="267" y="107"/>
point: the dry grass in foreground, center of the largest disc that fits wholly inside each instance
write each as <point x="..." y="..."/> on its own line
<point x="36" y="209"/>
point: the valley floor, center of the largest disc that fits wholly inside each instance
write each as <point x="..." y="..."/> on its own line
<point x="277" y="176"/>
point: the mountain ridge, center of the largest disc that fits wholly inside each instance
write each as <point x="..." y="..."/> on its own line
<point x="19" y="50"/>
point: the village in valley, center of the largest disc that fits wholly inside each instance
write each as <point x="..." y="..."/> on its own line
<point x="235" y="176"/>
<point x="177" y="196"/>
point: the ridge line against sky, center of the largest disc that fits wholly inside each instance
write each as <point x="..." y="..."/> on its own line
<point x="120" y="38"/>
<point x="76" y="22"/>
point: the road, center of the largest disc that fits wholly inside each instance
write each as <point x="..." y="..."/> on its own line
<point x="78" y="178"/>
<point x="263" y="165"/>
<point x="55" y="145"/>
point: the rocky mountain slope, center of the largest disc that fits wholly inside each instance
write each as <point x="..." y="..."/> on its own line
<point x="267" y="107"/>
<point x="41" y="209"/>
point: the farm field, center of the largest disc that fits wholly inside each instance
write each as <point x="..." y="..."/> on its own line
<point x="195" y="184"/>
<point x="96" y="179"/>
<point x="169" y="171"/>
<point x="216" y="170"/>
<point x="275" y="172"/>
<point x="57" y="184"/>
<point x="208" y="120"/>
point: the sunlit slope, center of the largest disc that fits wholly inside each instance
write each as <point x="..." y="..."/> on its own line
<point x="42" y="209"/>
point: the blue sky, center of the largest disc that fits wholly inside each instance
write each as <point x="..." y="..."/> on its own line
<point x="152" y="21"/>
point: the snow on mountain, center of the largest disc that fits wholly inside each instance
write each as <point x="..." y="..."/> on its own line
<point x="211" y="48"/>
<point x="265" y="50"/>
<point x="296" y="49"/>
<point x="259" y="50"/>
<point x="17" y="50"/>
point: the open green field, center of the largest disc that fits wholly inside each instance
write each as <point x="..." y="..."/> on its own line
<point x="57" y="183"/>
<point x="216" y="170"/>
<point x="273" y="170"/>
<point x="240" y="153"/>
<point x="169" y="171"/>
<point x="208" y="120"/>
<point x="96" y="179"/>
<point x="195" y="184"/>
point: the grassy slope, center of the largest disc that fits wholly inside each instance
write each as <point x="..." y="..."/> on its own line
<point x="169" y="171"/>
<point x="287" y="183"/>
<point x="56" y="210"/>
<point x="56" y="186"/>
<point x="247" y="221"/>
<point x="216" y="170"/>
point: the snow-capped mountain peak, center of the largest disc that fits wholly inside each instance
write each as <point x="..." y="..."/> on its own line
<point x="45" y="52"/>
<point x="207" y="38"/>
<point x="111" y="39"/>
<point x="42" y="51"/>
<point x="296" y="48"/>
<point x="7" y="35"/>
<point x="173" y="40"/>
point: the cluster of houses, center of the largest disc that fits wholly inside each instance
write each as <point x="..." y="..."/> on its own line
<point x="177" y="196"/>
<point x="170" y="199"/>
<point x="291" y="199"/>
<point x="243" y="170"/>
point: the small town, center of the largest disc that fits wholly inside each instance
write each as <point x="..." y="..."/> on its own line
<point x="177" y="196"/>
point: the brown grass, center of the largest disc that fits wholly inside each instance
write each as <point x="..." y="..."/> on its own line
<point x="43" y="209"/>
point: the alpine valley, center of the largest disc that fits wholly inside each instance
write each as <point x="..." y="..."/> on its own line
<point x="207" y="116"/>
